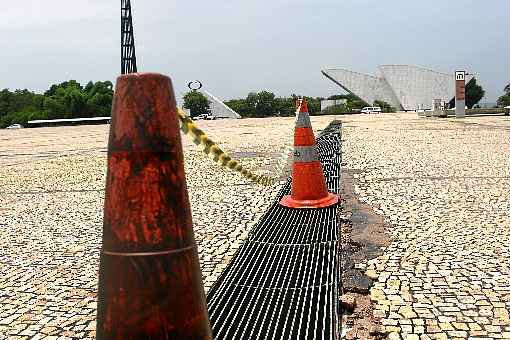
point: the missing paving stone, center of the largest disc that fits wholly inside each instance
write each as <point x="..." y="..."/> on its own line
<point x="363" y="238"/>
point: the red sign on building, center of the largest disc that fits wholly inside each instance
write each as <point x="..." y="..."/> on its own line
<point x="460" y="85"/>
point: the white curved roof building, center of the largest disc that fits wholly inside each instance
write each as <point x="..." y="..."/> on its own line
<point x="404" y="87"/>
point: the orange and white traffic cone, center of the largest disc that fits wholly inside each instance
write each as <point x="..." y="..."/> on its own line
<point x="150" y="285"/>
<point x="309" y="188"/>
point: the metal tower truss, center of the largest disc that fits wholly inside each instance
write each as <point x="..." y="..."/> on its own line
<point x="128" y="55"/>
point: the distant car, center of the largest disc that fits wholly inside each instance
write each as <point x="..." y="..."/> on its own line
<point x="454" y="108"/>
<point x="371" y="109"/>
<point x="205" y="116"/>
<point x="15" y="126"/>
<point x="202" y="116"/>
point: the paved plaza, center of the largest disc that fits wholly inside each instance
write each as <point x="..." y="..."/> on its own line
<point x="442" y="186"/>
<point x="51" y="208"/>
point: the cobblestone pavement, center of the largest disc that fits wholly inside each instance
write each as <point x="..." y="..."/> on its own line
<point x="51" y="208"/>
<point x="443" y="186"/>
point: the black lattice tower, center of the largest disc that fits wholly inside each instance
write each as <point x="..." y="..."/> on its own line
<point x="128" y="55"/>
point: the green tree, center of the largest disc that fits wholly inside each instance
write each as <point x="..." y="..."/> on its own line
<point x="64" y="85"/>
<point x="98" y="98"/>
<point x="23" y="100"/>
<point x="19" y="106"/>
<point x="53" y="108"/>
<point x="65" y="100"/>
<point x="336" y="110"/>
<point x="265" y="104"/>
<point x="197" y="103"/>
<point x="353" y="102"/>
<point x="504" y="100"/>
<point x="74" y="101"/>
<point x="5" y="100"/>
<point x="356" y="103"/>
<point x="314" y="105"/>
<point x="286" y="106"/>
<point x="251" y="104"/>
<point x="239" y="106"/>
<point x="474" y="93"/>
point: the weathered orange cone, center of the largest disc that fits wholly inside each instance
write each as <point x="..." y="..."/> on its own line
<point x="309" y="188"/>
<point x="150" y="285"/>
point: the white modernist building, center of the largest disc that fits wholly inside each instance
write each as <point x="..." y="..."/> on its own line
<point x="402" y="86"/>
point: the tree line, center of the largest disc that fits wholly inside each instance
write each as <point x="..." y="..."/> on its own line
<point x="266" y="104"/>
<point x="68" y="99"/>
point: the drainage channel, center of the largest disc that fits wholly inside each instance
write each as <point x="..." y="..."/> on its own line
<point x="283" y="283"/>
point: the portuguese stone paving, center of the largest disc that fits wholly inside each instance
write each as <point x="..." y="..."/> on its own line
<point x="51" y="209"/>
<point x="443" y="186"/>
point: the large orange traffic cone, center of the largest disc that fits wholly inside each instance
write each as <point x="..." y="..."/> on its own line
<point x="150" y="285"/>
<point x="309" y="188"/>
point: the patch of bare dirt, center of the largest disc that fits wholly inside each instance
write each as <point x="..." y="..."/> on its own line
<point x="363" y="235"/>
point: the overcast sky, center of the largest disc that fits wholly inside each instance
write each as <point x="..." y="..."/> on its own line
<point x="238" y="46"/>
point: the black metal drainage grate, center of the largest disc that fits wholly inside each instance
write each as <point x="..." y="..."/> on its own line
<point x="284" y="281"/>
<point x="297" y="227"/>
